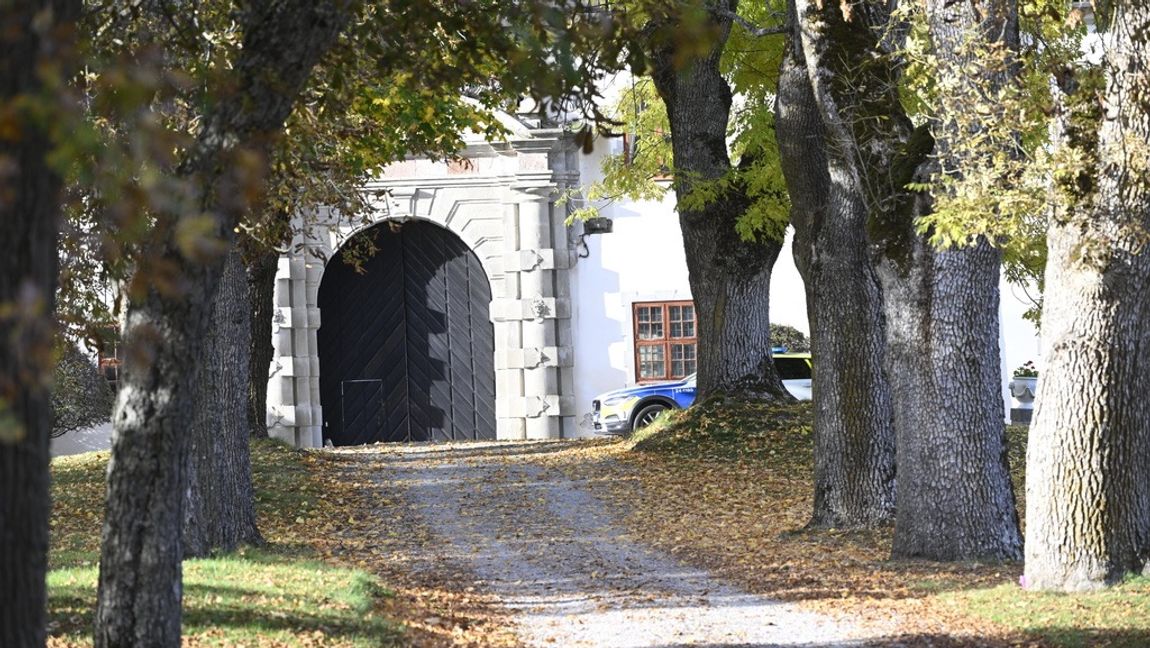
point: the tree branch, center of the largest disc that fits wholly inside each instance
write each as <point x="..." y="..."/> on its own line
<point x="753" y="29"/>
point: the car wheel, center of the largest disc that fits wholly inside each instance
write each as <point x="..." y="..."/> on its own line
<point x="647" y="415"/>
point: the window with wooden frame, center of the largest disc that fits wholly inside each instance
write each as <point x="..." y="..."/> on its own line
<point x="109" y="356"/>
<point x="665" y="339"/>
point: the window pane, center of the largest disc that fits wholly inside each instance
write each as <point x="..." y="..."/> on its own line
<point x="688" y="321"/>
<point x="682" y="319"/>
<point x="651" y="362"/>
<point x="690" y="364"/>
<point x="682" y="360"/>
<point x="652" y="331"/>
<point x="650" y="322"/>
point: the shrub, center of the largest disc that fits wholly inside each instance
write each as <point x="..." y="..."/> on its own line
<point x="790" y="337"/>
<point x="81" y="397"/>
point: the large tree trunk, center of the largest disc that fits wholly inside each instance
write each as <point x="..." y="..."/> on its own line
<point x="730" y="278"/>
<point x="261" y="269"/>
<point x="219" y="513"/>
<point x="1088" y="461"/>
<point x="955" y="500"/>
<point x="854" y="436"/>
<point x="139" y="586"/>
<point x="29" y="224"/>
<point x="872" y="153"/>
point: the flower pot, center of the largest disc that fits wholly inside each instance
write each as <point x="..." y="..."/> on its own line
<point x="1022" y="392"/>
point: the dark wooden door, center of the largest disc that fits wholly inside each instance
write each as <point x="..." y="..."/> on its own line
<point x="360" y="410"/>
<point x="406" y="347"/>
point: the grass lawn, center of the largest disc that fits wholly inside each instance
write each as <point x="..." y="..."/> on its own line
<point x="1115" y="617"/>
<point x="728" y="487"/>
<point x="278" y="595"/>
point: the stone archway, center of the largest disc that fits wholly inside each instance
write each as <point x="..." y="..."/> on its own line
<point x="501" y="204"/>
<point x="406" y="349"/>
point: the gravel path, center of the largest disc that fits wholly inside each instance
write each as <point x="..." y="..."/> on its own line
<point x="91" y="439"/>
<point x="558" y="559"/>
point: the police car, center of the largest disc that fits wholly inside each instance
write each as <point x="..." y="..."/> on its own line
<point x="633" y="408"/>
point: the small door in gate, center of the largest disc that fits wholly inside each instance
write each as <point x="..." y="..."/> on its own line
<point x="361" y="410"/>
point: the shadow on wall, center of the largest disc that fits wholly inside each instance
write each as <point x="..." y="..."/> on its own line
<point x="406" y="346"/>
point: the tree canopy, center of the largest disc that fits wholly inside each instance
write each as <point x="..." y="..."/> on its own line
<point x="750" y="60"/>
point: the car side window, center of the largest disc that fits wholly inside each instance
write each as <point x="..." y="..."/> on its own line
<point x="793" y="368"/>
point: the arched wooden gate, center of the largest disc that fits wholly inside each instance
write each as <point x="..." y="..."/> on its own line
<point x="406" y="348"/>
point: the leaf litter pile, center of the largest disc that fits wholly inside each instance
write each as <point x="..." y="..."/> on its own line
<point x="728" y="487"/>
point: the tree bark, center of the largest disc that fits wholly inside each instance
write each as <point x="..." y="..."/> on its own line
<point x="219" y="509"/>
<point x="955" y="499"/>
<point x="853" y="431"/>
<point x="729" y="277"/>
<point x="30" y="195"/>
<point x="261" y="271"/>
<point x="1088" y="505"/>
<point x="139" y="585"/>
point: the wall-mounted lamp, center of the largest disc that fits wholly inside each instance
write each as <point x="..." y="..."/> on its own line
<point x="597" y="225"/>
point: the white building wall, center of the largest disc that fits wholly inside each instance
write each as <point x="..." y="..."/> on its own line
<point x="788" y="293"/>
<point x="502" y="205"/>
<point x="1020" y="341"/>
<point x="642" y="259"/>
<point x="1020" y="336"/>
